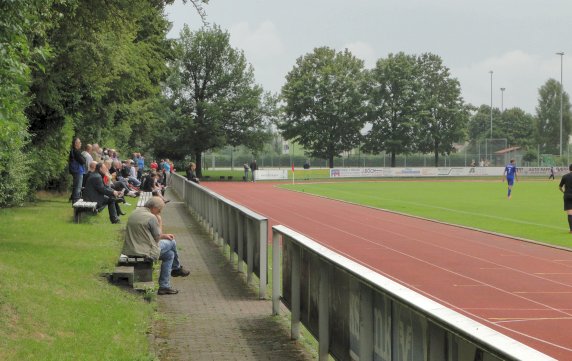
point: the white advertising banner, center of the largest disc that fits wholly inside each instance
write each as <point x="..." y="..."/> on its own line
<point x="271" y="174"/>
<point x="429" y="172"/>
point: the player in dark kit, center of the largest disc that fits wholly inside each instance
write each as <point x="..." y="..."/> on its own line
<point x="566" y="188"/>
<point x="510" y="174"/>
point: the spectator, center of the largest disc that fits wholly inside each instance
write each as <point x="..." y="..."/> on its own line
<point x="96" y="191"/>
<point x="253" y="169"/>
<point x="144" y="237"/>
<point x="246" y="169"/>
<point x="154" y="165"/>
<point x="152" y="184"/>
<point x="140" y="165"/>
<point x="191" y="173"/>
<point x="87" y="154"/>
<point x="76" y="168"/>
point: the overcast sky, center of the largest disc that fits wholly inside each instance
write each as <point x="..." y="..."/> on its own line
<point x="516" y="39"/>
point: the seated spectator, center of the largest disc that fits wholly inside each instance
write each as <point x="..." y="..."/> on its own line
<point x="144" y="237"/>
<point x="96" y="191"/>
<point x="151" y="183"/>
<point x="191" y="173"/>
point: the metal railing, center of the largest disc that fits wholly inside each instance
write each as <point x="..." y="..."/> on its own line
<point x="356" y="313"/>
<point x="244" y="231"/>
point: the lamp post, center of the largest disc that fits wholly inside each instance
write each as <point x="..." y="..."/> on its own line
<point x="502" y="100"/>
<point x="491" y="72"/>
<point x="561" y="92"/>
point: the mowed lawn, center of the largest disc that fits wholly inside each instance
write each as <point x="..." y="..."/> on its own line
<point x="534" y="212"/>
<point x="54" y="302"/>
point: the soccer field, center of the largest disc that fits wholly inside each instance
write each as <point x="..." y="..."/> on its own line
<point x="535" y="211"/>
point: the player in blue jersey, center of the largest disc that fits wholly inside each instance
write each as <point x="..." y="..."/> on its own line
<point x="510" y="173"/>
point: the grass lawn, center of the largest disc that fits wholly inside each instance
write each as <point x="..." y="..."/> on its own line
<point x="534" y="212"/>
<point x="54" y="305"/>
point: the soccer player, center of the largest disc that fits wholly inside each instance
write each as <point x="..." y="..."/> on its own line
<point x="510" y="174"/>
<point x="566" y="188"/>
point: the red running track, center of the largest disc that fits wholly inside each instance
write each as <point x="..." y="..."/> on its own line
<point x="518" y="288"/>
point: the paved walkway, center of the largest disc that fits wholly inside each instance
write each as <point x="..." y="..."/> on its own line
<point x="215" y="316"/>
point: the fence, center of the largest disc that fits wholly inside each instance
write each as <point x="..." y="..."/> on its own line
<point x="356" y="313"/>
<point x="244" y="231"/>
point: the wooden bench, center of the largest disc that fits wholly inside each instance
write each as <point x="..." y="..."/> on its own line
<point x="143" y="198"/>
<point x="82" y="206"/>
<point x="136" y="271"/>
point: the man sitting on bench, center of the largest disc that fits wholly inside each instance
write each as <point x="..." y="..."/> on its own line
<point x="144" y="238"/>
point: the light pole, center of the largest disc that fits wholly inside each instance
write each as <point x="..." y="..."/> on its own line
<point x="561" y="92"/>
<point x="502" y="99"/>
<point x="491" y="72"/>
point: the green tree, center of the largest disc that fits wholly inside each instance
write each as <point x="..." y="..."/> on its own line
<point x="213" y="94"/>
<point x="442" y="114"/>
<point x="479" y="126"/>
<point x="324" y="103"/>
<point x="517" y="127"/>
<point x="548" y="116"/>
<point x="393" y="105"/>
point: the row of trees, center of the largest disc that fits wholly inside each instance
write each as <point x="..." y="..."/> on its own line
<point x="105" y="71"/>
<point x="405" y="104"/>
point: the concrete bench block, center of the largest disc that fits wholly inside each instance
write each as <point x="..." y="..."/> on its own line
<point x="123" y="274"/>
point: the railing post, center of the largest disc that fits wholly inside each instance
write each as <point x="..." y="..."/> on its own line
<point x="295" y="292"/>
<point x="240" y="238"/>
<point x="249" y="251"/>
<point x="324" y="312"/>
<point x="366" y="324"/>
<point x="276" y="269"/>
<point x="263" y="239"/>
<point x="231" y="234"/>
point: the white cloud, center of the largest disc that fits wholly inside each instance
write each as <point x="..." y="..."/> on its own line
<point x="262" y="42"/>
<point x="520" y="73"/>
<point x="363" y="51"/>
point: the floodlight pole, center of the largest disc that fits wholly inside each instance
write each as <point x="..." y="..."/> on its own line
<point x="491" y="72"/>
<point x="502" y="99"/>
<point x="561" y="93"/>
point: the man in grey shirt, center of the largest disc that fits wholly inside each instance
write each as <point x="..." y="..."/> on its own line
<point x="144" y="237"/>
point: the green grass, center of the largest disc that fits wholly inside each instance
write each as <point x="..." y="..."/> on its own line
<point x="534" y="212"/>
<point x="54" y="304"/>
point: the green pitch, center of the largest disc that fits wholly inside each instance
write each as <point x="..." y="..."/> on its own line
<point x="535" y="211"/>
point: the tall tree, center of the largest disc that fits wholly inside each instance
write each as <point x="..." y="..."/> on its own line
<point x="393" y="105"/>
<point x="214" y="94"/>
<point x="324" y="103"/>
<point x="479" y="126"/>
<point x="442" y="114"/>
<point x="518" y="127"/>
<point x="548" y="116"/>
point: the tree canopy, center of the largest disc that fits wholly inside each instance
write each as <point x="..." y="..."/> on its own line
<point x="324" y="103"/>
<point x="548" y="115"/>
<point x="213" y="91"/>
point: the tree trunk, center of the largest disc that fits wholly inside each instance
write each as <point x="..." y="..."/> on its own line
<point x="199" y="158"/>
<point x="331" y="161"/>
<point x="392" y="159"/>
<point x="436" y="147"/>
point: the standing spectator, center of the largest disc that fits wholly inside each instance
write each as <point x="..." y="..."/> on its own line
<point x="154" y="165"/>
<point x="141" y="165"/>
<point x="565" y="187"/>
<point x="253" y="169"/>
<point x="76" y="168"/>
<point x="96" y="191"/>
<point x="551" y="176"/>
<point x="166" y="168"/>
<point x="144" y="237"/>
<point x="246" y="169"/>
